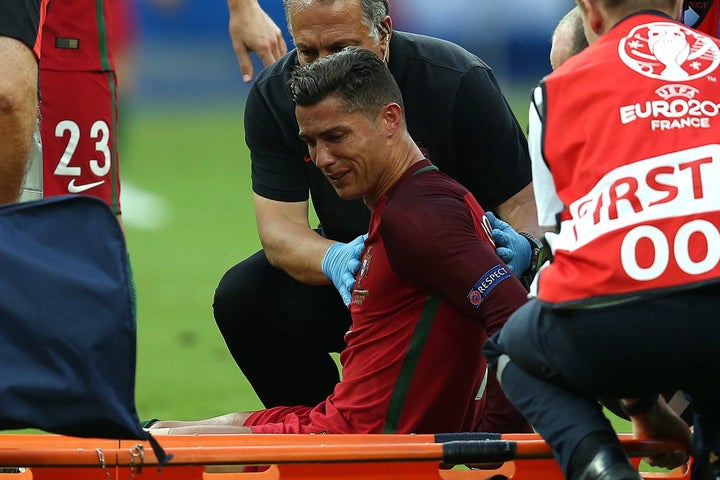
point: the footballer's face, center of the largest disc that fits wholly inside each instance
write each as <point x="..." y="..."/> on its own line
<point x="349" y="148"/>
<point x="322" y="28"/>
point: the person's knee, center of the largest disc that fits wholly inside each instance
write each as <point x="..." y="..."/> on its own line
<point x="231" y="284"/>
<point x="18" y="114"/>
<point x="232" y="294"/>
<point x="243" y="292"/>
<point x="518" y="332"/>
<point x="18" y="80"/>
<point x="515" y="341"/>
<point x="492" y="351"/>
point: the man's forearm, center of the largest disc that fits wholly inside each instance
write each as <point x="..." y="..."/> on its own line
<point x="299" y="251"/>
<point x="520" y="212"/>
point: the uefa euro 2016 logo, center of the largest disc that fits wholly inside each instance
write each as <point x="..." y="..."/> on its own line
<point x="669" y="51"/>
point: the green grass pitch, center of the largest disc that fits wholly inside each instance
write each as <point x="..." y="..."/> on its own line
<point x="196" y="161"/>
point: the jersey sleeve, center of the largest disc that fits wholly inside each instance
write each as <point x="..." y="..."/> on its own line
<point x="277" y="168"/>
<point x="434" y="243"/>
<point x="547" y="201"/>
<point x="491" y="144"/>
<point x="22" y="20"/>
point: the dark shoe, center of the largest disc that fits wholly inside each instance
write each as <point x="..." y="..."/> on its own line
<point x="609" y="464"/>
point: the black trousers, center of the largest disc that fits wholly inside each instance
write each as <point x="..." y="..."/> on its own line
<point x="281" y="332"/>
<point x="554" y="364"/>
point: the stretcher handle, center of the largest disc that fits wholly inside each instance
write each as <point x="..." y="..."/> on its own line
<point x="453" y="452"/>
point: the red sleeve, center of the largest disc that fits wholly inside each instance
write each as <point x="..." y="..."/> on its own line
<point x="432" y="240"/>
<point x="279" y="420"/>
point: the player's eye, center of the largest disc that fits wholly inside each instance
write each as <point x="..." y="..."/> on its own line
<point x="336" y="137"/>
<point x="308" y="141"/>
<point x="308" y="55"/>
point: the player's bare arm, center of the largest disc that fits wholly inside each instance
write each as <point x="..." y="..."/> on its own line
<point x="231" y="423"/>
<point x="288" y="240"/>
<point x="252" y="30"/>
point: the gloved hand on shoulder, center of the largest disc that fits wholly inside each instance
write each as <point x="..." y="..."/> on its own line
<point x="340" y="264"/>
<point x="511" y="247"/>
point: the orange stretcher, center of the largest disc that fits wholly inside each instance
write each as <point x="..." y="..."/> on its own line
<point x="298" y="457"/>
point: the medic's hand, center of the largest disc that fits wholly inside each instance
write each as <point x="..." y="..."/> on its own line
<point x="340" y="264"/>
<point x="510" y="246"/>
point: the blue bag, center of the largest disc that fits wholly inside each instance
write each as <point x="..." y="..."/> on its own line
<point x="67" y="321"/>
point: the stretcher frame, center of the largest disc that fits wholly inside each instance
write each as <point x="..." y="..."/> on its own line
<point x="300" y="457"/>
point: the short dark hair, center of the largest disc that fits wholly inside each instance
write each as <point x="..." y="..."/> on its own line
<point x="356" y="75"/>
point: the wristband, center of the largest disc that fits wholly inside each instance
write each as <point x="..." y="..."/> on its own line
<point x="639" y="407"/>
<point x="539" y="254"/>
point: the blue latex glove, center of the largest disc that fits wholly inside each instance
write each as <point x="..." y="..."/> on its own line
<point x="340" y="264"/>
<point x="511" y="247"/>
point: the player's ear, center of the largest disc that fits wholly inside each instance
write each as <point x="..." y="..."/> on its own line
<point x="385" y="27"/>
<point x="594" y="19"/>
<point x="392" y="117"/>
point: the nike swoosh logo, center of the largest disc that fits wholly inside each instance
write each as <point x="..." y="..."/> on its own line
<point x="72" y="188"/>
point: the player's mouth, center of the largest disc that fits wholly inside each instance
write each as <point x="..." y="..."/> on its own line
<point x="337" y="176"/>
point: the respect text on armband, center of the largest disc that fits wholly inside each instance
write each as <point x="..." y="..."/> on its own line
<point x="486" y="283"/>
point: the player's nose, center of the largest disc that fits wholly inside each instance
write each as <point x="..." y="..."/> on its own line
<point x="323" y="157"/>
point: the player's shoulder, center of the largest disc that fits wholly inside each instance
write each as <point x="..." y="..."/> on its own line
<point x="424" y="179"/>
<point x="423" y="193"/>
<point x="421" y="212"/>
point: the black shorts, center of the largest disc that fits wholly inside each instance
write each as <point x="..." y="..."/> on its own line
<point x="658" y="344"/>
<point x="20" y="19"/>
